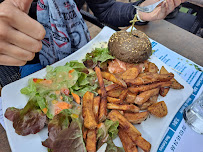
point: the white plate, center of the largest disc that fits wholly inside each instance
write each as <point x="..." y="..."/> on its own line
<point x="152" y="129"/>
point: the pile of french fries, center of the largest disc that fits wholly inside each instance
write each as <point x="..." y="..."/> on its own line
<point x="130" y="99"/>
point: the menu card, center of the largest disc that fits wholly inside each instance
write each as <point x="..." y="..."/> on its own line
<point x="179" y="136"/>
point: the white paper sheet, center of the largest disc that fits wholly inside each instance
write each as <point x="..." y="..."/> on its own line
<point x="1" y="114"/>
<point x="179" y="136"/>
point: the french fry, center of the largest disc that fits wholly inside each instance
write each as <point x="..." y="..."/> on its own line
<point x="103" y="103"/>
<point x="130" y="97"/>
<point x="163" y="91"/>
<point x="87" y="112"/>
<point x="144" y="96"/>
<point x="149" y="102"/>
<point x="141" y="88"/>
<point x="114" y="100"/>
<point x="91" y="141"/>
<point x="96" y="104"/>
<point x="163" y="70"/>
<point x="143" y="74"/>
<point x="143" y="144"/>
<point x="152" y="68"/>
<point x="108" y="88"/>
<point x="146" y="65"/>
<point x="115" y="93"/>
<point x="132" y="132"/>
<point x="136" y="118"/>
<point x="102" y="109"/>
<point x="112" y="78"/>
<point x="127" y="143"/>
<point x="131" y="73"/>
<point x="130" y="108"/>
<point x="150" y="78"/>
<point x="101" y="82"/>
<point x="158" y="109"/>
<point x="123" y="94"/>
<point x="84" y="132"/>
<point x="175" y="84"/>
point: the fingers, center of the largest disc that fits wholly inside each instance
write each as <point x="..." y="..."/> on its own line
<point x="170" y="6"/>
<point x="23" y="41"/>
<point x="20" y="35"/>
<point x="21" y="21"/>
<point x="177" y="3"/>
<point x="163" y="9"/>
<point x="10" y="61"/>
<point x="148" y="2"/>
<point x="15" y="52"/>
<point x="28" y="26"/>
<point x="160" y="12"/>
<point x="23" y="5"/>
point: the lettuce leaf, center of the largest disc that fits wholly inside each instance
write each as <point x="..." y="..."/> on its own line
<point x="111" y="147"/>
<point x="76" y="65"/>
<point x="109" y="129"/>
<point x="55" y="126"/>
<point x="12" y="113"/>
<point x="70" y="76"/>
<point x="31" y="89"/>
<point x="65" y="132"/>
<point x="113" y="128"/>
<point x="86" y="82"/>
<point x="70" y="139"/>
<point x="28" y="120"/>
<point x="62" y="77"/>
<point x="99" y="55"/>
<point x="83" y="90"/>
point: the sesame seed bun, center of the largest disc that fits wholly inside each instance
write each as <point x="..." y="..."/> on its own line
<point x="131" y="48"/>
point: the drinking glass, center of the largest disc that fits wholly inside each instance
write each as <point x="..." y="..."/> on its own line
<point x="193" y="115"/>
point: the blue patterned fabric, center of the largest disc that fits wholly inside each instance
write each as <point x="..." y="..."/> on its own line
<point x="65" y="28"/>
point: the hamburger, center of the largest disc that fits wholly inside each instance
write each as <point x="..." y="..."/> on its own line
<point x="130" y="47"/>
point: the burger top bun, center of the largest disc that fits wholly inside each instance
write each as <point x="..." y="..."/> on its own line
<point x="131" y="48"/>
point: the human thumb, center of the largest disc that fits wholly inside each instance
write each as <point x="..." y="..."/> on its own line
<point x="23" y="5"/>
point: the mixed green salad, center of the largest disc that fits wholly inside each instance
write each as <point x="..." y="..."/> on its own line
<point x="54" y="101"/>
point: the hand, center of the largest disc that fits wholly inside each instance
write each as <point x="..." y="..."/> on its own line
<point x="20" y="35"/>
<point x="161" y="11"/>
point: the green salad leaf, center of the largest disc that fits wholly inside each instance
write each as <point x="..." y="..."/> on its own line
<point x="63" y="76"/>
<point x="106" y="133"/>
<point x="98" y="55"/>
<point x="109" y="129"/>
<point x="76" y="65"/>
<point x="74" y="77"/>
<point x="111" y="147"/>
<point x="30" y="89"/>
